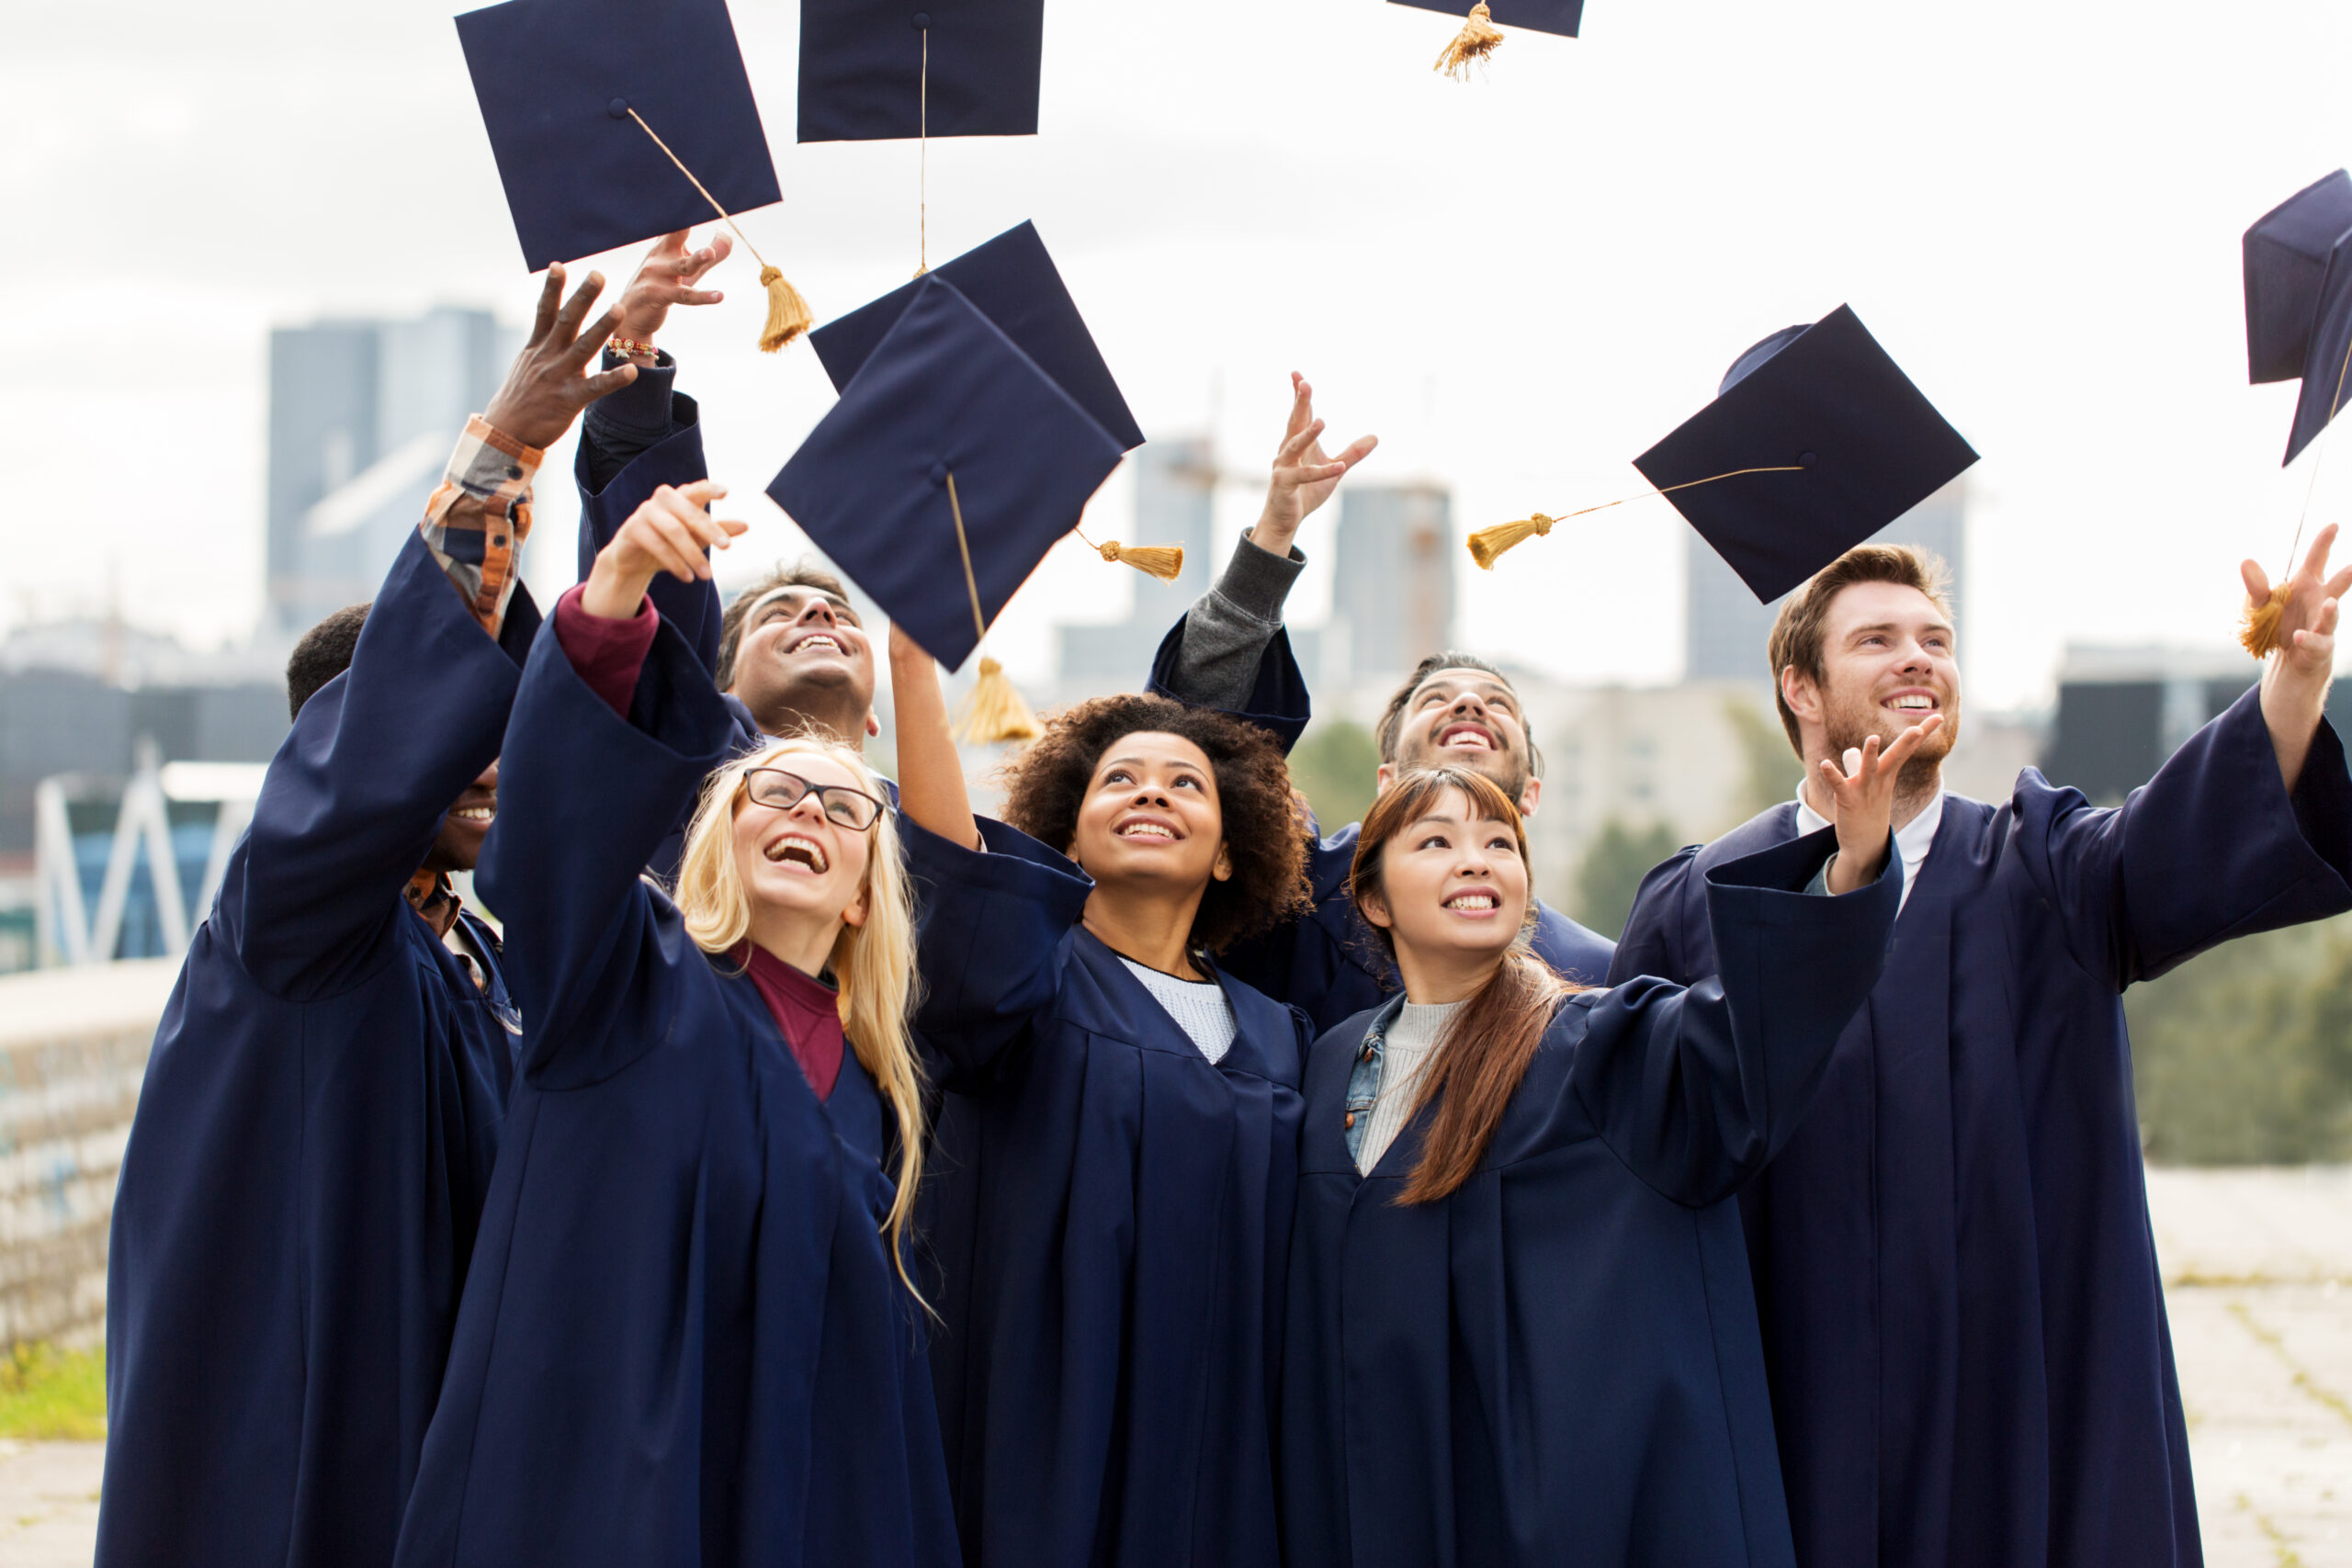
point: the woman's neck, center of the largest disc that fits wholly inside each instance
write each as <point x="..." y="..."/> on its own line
<point x="1154" y="931"/>
<point x="1433" y="979"/>
<point x="804" y="942"/>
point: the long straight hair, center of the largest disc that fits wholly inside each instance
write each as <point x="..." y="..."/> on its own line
<point x="875" y="963"/>
<point x="1485" y="1050"/>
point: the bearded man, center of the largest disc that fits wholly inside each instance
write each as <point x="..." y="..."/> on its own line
<point x="1963" y="1325"/>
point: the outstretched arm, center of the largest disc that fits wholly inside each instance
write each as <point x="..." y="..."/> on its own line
<point x="931" y="791"/>
<point x="2295" y="681"/>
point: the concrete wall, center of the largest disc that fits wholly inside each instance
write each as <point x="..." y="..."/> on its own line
<point x="73" y="1046"/>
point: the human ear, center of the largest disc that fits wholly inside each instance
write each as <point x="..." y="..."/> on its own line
<point x="1223" y="869"/>
<point x="1385" y="776"/>
<point x="873" y="726"/>
<point x="1529" y="796"/>
<point x="1804" y="697"/>
<point x="1374" y="910"/>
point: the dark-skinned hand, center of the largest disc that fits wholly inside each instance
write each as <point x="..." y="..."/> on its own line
<point x="547" y="386"/>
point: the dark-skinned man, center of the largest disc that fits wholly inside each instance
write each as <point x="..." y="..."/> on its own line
<point x="1231" y="652"/>
<point x="1963" y="1323"/>
<point x="314" y="1137"/>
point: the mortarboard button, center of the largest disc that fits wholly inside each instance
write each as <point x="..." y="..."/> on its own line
<point x="946" y="391"/>
<point x="618" y="108"/>
<point x="963" y="68"/>
<point x="1871" y="447"/>
<point x="2298" y="301"/>
<point x="1013" y="282"/>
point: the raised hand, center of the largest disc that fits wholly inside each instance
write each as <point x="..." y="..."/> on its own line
<point x="2294" y="683"/>
<point x="1304" y="476"/>
<point x="669" y="531"/>
<point x="1864" y="793"/>
<point x="667" y="277"/>
<point x="548" y="385"/>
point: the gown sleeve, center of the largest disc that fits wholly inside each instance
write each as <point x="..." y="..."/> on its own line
<point x="1232" y="652"/>
<point x="2213" y="847"/>
<point x="585" y="796"/>
<point x="1696" y="1089"/>
<point x="672" y="457"/>
<point x="991" y="934"/>
<point x="1652" y="940"/>
<point x="356" y="796"/>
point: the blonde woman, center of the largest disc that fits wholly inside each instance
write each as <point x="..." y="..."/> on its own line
<point x="689" y="1337"/>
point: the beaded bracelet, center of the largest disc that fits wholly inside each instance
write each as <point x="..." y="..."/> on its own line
<point x="630" y="348"/>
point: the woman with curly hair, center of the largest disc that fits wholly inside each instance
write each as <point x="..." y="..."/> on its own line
<point x="1116" y="1153"/>
<point x="689" y="1334"/>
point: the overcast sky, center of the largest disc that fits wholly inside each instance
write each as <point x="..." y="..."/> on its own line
<point x="1519" y="284"/>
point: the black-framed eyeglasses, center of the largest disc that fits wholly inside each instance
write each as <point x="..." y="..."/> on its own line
<point x="843" y="806"/>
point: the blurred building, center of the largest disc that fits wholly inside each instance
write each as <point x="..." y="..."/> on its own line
<point x="1175" y="504"/>
<point x="2122" y="710"/>
<point x="362" y="417"/>
<point x="1725" y="628"/>
<point x="1392" y="581"/>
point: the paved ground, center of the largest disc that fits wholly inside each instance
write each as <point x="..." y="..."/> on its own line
<point x="2259" y="1270"/>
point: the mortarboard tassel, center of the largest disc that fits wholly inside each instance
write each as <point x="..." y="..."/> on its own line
<point x="994" y="709"/>
<point x="1479" y="37"/>
<point x="788" y="314"/>
<point x="2259" y="624"/>
<point x="1165" y="562"/>
<point x="1487" y="544"/>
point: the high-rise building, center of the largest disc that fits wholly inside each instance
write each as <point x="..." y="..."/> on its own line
<point x="1725" y="628"/>
<point x="362" y="417"/>
<point x="1392" y="585"/>
<point x="1175" y="504"/>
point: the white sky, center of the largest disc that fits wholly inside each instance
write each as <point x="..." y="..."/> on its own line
<point x="1519" y="284"/>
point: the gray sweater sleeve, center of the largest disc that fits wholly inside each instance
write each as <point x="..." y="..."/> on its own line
<point x="1228" y="629"/>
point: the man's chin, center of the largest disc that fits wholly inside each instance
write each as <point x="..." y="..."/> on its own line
<point x="1501" y="767"/>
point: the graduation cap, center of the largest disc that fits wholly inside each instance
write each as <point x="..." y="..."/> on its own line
<point x="1815" y="441"/>
<point x="2299" y="300"/>
<point x="2299" y="324"/>
<point x="1480" y="37"/>
<point x="880" y="70"/>
<point x="614" y="122"/>
<point x="953" y="462"/>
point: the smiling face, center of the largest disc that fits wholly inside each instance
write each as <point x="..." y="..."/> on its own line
<point x="1466" y="718"/>
<point x="1152" y="817"/>
<point x="804" y="656"/>
<point x="1887" y="663"/>
<point x="457" y="847"/>
<point x="797" y="863"/>
<point x="1454" y="885"/>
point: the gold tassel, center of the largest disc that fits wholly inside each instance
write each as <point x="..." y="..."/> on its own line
<point x="1478" y="39"/>
<point x="787" y="311"/>
<point x="1165" y="562"/>
<point x="1488" y="543"/>
<point x="2259" y="624"/>
<point x="994" y="710"/>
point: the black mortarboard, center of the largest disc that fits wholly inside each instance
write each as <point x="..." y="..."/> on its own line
<point x="557" y="79"/>
<point x="1826" y="402"/>
<point x="1012" y="282"/>
<point x="864" y="75"/>
<point x="2299" y="300"/>
<point x="946" y="415"/>
<point x="1560" y="17"/>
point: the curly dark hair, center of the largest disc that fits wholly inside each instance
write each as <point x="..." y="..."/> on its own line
<point x="323" y="653"/>
<point x="1046" y="784"/>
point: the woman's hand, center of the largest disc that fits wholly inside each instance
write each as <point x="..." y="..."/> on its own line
<point x="1864" y="797"/>
<point x="2294" y="683"/>
<point x="545" y="389"/>
<point x="1304" y="478"/>
<point x="932" y="791"/>
<point x="667" y="278"/>
<point x="670" y="532"/>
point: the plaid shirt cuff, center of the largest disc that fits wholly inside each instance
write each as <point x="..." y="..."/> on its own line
<point x="478" y="517"/>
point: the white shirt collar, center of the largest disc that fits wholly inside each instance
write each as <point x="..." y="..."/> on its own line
<point x="1912" y="841"/>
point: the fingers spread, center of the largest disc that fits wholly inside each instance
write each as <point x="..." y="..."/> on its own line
<point x="575" y="309"/>
<point x="550" y="293"/>
<point x="605" y="383"/>
<point x="2257" y="582"/>
<point x="2316" y="562"/>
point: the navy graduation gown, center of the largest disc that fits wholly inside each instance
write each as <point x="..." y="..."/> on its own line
<point x="1962" y="1317"/>
<point x="1326" y="962"/>
<point x="683" y="1342"/>
<point x="316" y="1129"/>
<point x="1110" y="1212"/>
<point x="1557" y="1365"/>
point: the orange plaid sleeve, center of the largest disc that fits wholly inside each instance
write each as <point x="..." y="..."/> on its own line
<point x="480" y="516"/>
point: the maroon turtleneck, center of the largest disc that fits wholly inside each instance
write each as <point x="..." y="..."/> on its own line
<point x="807" y="1010"/>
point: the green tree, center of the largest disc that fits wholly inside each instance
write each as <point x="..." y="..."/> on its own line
<point x="1613" y="869"/>
<point x="1772" y="768"/>
<point x="2243" y="1055"/>
<point x="1336" y="765"/>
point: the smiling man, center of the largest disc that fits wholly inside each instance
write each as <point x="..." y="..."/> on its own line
<point x="1963" y="1325"/>
<point x="1231" y="652"/>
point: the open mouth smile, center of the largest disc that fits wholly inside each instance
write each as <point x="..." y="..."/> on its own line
<point x="1145" y="829"/>
<point x="1466" y="738"/>
<point x="1919" y="703"/>
<point x="820" y="642"/>
<point x="473" y="813"/>
<point x="1472" y="903"/>
<point x="799" y="852"/>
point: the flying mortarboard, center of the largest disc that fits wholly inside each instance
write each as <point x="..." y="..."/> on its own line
<point x="953" y="462"/>
<point x="881" y="70"/>
<point x="1815" y="441"/>
<point x="1480" y="37"/>
<point x="626" y="119"/>
<point x="2299" y="324"/>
